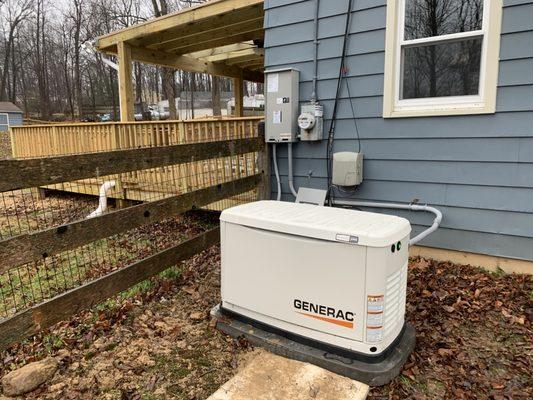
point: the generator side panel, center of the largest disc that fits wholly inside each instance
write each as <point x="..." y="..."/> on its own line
<point x="386" y="285"/>
<point x="294" y="282"/>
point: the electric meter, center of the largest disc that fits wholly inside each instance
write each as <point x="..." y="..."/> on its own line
<point x="306" y="121"/>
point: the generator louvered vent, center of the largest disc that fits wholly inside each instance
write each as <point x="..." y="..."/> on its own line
<point x="395" y="299"/>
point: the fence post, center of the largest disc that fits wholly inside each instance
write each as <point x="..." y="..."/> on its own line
<point x="263" y="164"/>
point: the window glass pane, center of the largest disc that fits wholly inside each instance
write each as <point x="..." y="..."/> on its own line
<point x="445" y="69"/>
<point x="426" y="18"/>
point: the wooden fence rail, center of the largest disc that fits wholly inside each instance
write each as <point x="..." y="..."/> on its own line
<point x="39" y="245"/>
<point x="45" y="141"/>
<point x="24" y="173"/>
<point x="35" y="246"/>
<point x="46" y="314"/>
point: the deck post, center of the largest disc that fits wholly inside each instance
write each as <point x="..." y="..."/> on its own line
<point x="238" y="86"/>
<point x="125" y="82"/>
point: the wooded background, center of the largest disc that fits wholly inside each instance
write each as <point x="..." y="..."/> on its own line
<point x="45" y="70"/>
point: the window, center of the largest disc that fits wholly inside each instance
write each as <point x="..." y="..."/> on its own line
<point x="441" y="57"/>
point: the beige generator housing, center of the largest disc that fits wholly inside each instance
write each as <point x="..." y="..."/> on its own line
<point x="335" y="276"/>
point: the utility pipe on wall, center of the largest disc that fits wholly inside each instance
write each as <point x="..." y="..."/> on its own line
<point x="276" y="170"/>
<point x="291" y="175"/>
<point x="102" y="201"/>
<point x="412" y="207"/>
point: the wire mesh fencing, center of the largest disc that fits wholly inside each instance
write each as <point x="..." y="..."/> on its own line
<point x="49" y="208"/>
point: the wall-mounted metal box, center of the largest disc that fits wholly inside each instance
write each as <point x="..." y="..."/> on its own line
<point x="281" y="107"/>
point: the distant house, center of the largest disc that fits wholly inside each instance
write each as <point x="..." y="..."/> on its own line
<point x="10" y="115"/>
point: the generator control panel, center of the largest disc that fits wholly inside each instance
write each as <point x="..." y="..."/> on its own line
<point x="281" y="105"/>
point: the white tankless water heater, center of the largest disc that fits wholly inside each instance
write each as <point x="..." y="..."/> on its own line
<point x="334" y="276"/>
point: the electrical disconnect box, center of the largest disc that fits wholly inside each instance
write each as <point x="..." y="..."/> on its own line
<point x="347" y="168"/>
<point x="281" y="107"/>
<point x="311" y="122"/>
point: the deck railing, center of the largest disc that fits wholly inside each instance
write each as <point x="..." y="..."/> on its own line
<point x="152" y="184"/>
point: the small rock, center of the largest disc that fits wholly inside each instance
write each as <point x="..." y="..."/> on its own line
<point x="29" y="377"/>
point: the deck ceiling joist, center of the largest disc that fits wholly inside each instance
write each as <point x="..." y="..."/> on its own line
<point x="221" y="37"/>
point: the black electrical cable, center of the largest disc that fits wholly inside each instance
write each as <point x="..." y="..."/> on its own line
<point x="354" y="118"/>
<point x="331" y="132"/>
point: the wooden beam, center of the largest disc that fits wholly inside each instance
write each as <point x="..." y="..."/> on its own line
<point x="125" y="82"/>
<point x="214" y="26"/>
<point x="34" y="172"/>
<point x="223" y="49"/>
<point x="246" y="61"/>
<point x="236" y="56"/>
<point x="190" y="15"/>
<point x="238" y="89"/>
<point x="36" y="246"/>
<point x="217" y="42"/>
<point x="187" y="63"/>
<point x="44" y="315"/>
<point x="220" y="33"/>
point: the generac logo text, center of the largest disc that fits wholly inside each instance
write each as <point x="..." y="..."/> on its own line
<point x="324" y="313"/>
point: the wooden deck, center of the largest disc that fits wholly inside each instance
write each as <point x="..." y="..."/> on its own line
<point x="151" y="184"/>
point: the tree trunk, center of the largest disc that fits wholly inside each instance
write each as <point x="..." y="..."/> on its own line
<point x="5" y="68"/>
<point x="168" y="91"/>
<point x="215" y="95"/>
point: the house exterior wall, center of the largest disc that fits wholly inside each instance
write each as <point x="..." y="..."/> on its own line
<point x="477" y="169"/>
<point x="9" y="119"/>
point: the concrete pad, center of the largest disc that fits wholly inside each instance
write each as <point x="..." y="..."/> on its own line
<point x="271" y="377"/>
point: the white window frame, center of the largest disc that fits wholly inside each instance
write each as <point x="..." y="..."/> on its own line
<point x="7" y="120"/>
<point x="482" y="103"/>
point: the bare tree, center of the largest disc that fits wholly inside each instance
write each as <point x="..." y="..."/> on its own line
<point x="15" y="12"/>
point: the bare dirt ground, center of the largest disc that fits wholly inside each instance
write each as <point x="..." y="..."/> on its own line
<point x="474" y="339"/>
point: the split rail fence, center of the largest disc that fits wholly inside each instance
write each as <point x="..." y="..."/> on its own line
<point x="55" y="262"/>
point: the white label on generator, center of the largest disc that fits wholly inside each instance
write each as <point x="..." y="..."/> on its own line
<point x="273" y="83"/>
<point x="375" y="304"/>
<point x="374" y="319"/>
<point x="346" y="238"/>
<point x="374" y="335"/>
<point x="276" y="117"/>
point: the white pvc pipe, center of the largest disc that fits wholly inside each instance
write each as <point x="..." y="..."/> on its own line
<point x="291" y="176"/>
<point x="412" y="207"/>
<point x="276" y="170"/>
<point x="102" y="202"/>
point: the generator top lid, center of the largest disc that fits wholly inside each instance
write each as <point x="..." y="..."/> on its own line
<point x="326" y="223"/>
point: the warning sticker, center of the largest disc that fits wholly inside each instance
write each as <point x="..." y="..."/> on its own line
<point x="375" y="304"/>
<point x="273" y="83"/>
<point x="276" y="119"/>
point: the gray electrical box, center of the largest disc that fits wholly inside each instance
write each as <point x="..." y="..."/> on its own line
<point x="281" y="105"/>
<point x="347" y="168"/>
<point x="311" y="122"/>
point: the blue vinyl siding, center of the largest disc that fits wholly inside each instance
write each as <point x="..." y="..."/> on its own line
<point x="477" y="169"/>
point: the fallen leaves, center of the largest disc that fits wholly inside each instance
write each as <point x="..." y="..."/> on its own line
<point x="474" y="337"/>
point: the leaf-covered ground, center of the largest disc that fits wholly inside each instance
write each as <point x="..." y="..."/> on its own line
<point x="5" y="145"/>
<point x="474" y="339"/>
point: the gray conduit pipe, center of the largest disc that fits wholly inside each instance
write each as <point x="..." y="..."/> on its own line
<point x="276" y="170"/>
<point x="411" y="207"/>
<point x="291" y="176"/>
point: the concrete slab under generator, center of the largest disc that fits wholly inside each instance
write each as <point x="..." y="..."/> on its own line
<point x="271" y="377"/>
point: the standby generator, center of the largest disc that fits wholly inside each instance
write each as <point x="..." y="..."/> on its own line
<point x="330" y="278"/>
